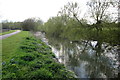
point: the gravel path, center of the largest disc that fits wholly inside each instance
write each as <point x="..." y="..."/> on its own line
<point x="8" y="35"/>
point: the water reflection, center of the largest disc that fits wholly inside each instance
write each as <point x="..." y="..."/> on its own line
<point x="88" y="59"/>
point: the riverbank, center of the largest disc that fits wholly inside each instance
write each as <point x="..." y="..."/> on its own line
<point x="83" y="56"/>
<point x="33" y="59"/>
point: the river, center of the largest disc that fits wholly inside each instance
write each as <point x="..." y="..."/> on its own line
<point x="87" y="59"/>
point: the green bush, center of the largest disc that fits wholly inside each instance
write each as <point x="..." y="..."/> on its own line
<point x="39" y="74"/>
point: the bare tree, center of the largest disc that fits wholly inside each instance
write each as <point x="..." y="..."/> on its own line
<point x="71" y="10"/>
<point x="99" y="10"/>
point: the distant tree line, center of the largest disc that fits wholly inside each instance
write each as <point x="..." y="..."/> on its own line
<point x="30" y="24"/>
<point x="11" y="25"/>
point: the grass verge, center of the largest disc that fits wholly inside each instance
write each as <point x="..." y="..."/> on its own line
<point x="3" y="33"/>
<point x="34" y="60"/>
<point x="10" y="44"/>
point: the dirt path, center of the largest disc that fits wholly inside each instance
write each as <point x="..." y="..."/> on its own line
<point x="8" y="35"/>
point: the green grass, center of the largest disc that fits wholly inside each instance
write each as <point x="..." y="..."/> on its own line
<point x="30" y="58"/>
<point x="10" y="44"/>
<point x="3" y="33"/>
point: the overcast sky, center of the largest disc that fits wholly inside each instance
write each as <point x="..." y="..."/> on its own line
<point x="19" y="10"/>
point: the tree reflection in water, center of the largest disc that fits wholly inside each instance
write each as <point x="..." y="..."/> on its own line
<point x="88" y="59"/>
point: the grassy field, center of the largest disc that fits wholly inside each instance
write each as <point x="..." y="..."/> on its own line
<point x="3" y="33"/>
<point x="24" y="56"/>
<point x="10" y="44"/>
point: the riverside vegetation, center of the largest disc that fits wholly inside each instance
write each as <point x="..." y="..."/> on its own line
<point x="33" y="59"/>
<point x="73" y="31"/>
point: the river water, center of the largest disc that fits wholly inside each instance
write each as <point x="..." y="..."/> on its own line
<point x="87" y="59"/>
